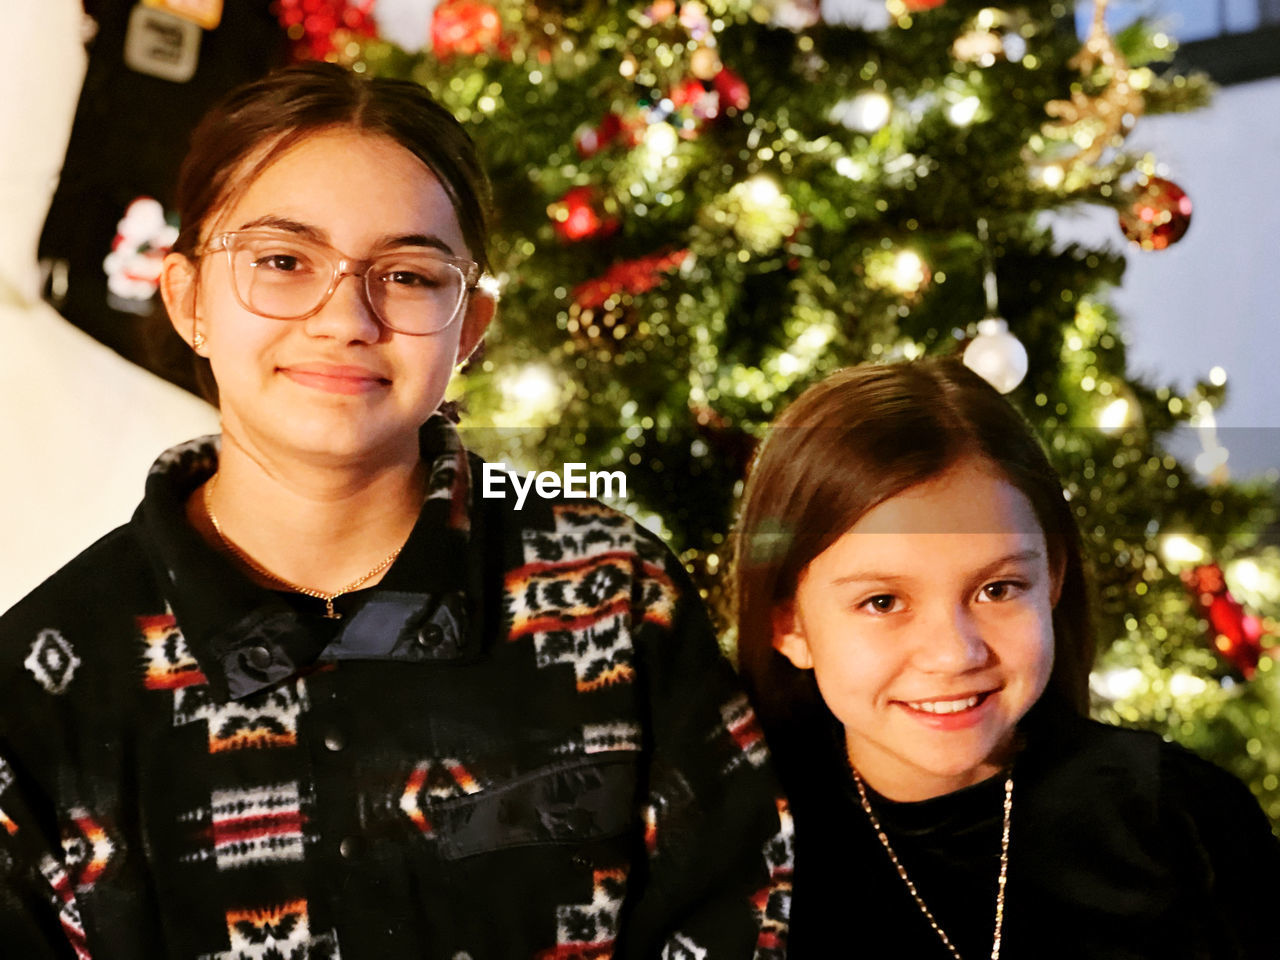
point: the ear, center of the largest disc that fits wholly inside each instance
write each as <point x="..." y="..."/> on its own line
<point x="1057" y="573"/>
<point x="481" y="306"/>
<point x="789" y="638"/>
<point x="178" y="290"/>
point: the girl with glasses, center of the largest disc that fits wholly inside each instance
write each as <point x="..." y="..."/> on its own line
<point x="913" y="625"/>
<point x="320" y="698"/>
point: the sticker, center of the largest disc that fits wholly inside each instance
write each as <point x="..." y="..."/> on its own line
<point x="161" y="45"/>
<point x="205" y="13"/>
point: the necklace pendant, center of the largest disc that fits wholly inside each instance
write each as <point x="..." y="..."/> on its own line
<point x="329" y="612"/>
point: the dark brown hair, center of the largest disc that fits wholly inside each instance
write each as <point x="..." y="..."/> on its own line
<point x="249" y="128"/>
<point x="262" y="119"/>
<point x="853" y="441"/>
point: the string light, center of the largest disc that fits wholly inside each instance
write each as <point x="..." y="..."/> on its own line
<point x="1114" y="416"/>
<point x="1183" y="684"/>
<point x="908" y="273"/>
<point x="1177" y="549"/>
<point x="963" y="113"/>
<point x="1118" y="683"/>
<point x="531" y="389"/>
<point x="867" y="112"/>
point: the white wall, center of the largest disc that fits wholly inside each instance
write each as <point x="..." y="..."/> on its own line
<point x="1212" y="299"/>
<point x="79" y="426"/>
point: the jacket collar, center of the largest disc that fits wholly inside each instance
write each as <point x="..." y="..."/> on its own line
<point x="246" y="638"/>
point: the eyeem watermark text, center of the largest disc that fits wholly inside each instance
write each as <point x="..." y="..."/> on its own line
<point x="574" y="482"/>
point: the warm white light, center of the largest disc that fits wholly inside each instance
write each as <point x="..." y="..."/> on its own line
<point x="847" y="168"/>
<point x="764" y="216"/>
<point x="1114" y="415"/>
<point x="761" y="192"/>
<point x="962" y="113"/>
<point x="1211" y="460"/>
<point x="815" y="337"/>
<point x="788" y="363"/>
<point x="533" y="387"/>
<point x="1053" y="176"/>
<point x="1186" y="685"/>
<point x="867" y="112"/>
<point x="1217" y="376"/>
<point x="1246" y="574"/>
<point x="660" y="140"/>
<point x="908" y="272"/>
<point x="1175" y="548"/>
<point x="1116" y="684"/>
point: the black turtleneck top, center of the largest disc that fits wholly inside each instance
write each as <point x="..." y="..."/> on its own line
<point x="1122" y="847"/>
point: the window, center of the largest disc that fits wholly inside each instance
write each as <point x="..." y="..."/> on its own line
<point x="1188" y="20"/>
<point x="1231" y="40"/>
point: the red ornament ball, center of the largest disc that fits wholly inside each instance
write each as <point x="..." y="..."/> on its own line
<point x="733" y="90"/>
<point x="314" y="25"/>
<point x="919" y="6"/>
<point x="1234" y="633"/>
<point x="464" y="26"/>
<point x="1158" y="214"/>
<point x="575" y="216"/>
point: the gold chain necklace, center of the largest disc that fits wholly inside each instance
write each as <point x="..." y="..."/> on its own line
<point x="258" y="568"/>
<point x="911" y="887"/>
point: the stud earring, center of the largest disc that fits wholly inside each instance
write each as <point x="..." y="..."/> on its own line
<point x="197" y="338"/>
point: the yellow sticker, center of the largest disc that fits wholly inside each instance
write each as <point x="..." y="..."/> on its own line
<point x="207" y="13"/>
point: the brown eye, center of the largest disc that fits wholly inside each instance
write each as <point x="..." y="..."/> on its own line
<point x="279" y="262"/>
<point x="880" y="603"/>
<point x="1001" y="590"/>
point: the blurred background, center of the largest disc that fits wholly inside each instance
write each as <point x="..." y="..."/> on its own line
<point x="702" y="208"/>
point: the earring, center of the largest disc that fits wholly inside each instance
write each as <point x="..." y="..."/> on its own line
<point x="197" y="340"/>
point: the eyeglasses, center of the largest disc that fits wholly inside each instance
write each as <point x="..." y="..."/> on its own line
<point x="286" y="277"/>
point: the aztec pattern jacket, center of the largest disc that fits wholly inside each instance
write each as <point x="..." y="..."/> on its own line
<point x="523" y="742"/>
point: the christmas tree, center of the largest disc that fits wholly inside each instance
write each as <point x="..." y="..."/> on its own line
<point x="704" y="207"/>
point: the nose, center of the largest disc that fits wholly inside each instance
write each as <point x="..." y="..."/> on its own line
<point x="346" y="315"/>
<point x="951" y="642"/>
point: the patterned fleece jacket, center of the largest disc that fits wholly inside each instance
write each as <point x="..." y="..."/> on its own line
<point x="522" y="743"/>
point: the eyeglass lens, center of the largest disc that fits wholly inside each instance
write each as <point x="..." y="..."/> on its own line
<point x="286" y="277"/>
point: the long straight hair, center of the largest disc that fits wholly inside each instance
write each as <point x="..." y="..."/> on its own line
<point x="861" y="436"/>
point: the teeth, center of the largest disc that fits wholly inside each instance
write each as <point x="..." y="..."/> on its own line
<point x="944" y="706"/>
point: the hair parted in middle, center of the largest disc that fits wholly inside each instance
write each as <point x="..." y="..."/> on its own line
<point x="245" y="131"/>
<point x="255" y="124"/>
<point x="851" y="442"/>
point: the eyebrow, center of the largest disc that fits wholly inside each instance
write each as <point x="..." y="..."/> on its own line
<point x="1022" y="556"/>
<point x="288" y="225"/>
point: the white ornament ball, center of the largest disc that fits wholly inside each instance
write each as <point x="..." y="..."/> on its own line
<point x="996" y="355"/>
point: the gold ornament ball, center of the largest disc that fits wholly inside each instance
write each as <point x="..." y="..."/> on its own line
<point x="705" y="63"/>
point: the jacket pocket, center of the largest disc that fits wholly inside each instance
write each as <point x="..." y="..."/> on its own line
<point x="575" y="801"/>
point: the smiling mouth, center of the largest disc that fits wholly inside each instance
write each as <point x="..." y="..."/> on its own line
<point x="335" y="378"/>
<point x="946" y="707"/>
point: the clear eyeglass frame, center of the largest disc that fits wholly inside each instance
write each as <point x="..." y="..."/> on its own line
<point x="340" y="266"/>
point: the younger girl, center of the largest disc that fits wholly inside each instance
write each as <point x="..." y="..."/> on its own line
<point x="914" y="626"/>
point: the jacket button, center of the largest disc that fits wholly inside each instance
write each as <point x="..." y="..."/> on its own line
<point x="258" y="657"/>
<point x="431" y="635"/>
<point x="351" y="847"/>
<point x="334" y="741"/>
